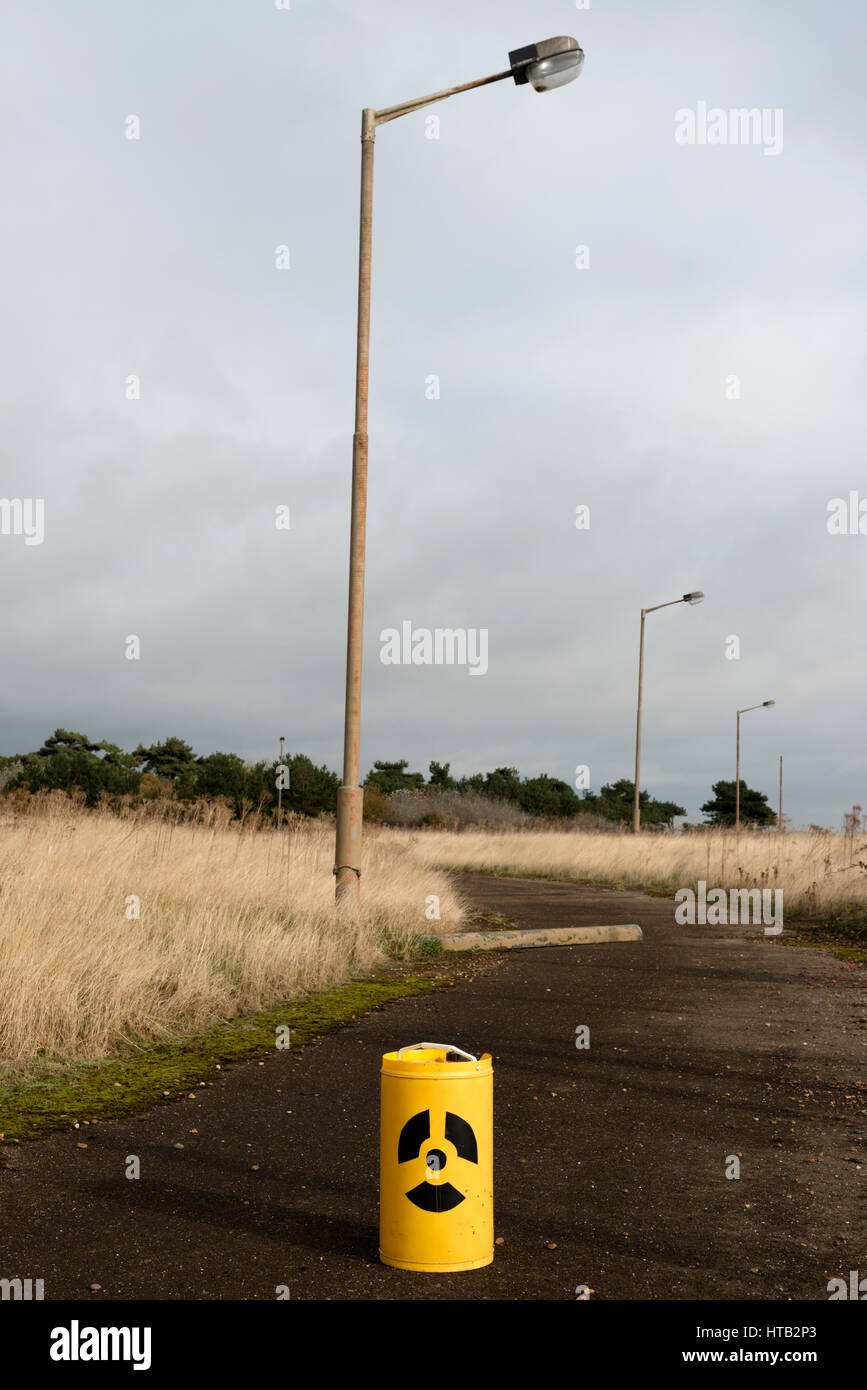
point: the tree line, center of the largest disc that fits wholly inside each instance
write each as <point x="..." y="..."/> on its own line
<point x="102" y="771"/>
<point x="541" y="796"/>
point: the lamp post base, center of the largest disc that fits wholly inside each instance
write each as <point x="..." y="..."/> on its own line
<point x="347" y="869"/>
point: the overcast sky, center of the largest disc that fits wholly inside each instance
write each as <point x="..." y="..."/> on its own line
<point x="608" y="386"/>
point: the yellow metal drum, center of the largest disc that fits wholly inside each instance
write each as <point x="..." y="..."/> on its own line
<point x="436" y="1208"/>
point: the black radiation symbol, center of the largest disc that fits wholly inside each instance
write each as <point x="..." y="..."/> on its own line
<point x="436" y="1196"/>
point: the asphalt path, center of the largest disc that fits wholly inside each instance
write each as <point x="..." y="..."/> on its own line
<point x="706" y="1044"/>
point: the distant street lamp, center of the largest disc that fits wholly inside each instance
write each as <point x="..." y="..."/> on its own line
<point x="636" y="808"/>
<point x="545" y="65"/>
<point x="766" y="704"/>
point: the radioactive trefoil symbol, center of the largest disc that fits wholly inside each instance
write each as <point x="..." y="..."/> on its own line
<point x="429" y="1195"/>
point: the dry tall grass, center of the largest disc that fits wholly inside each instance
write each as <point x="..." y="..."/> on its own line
<point x="231" y="922"/>
<point x="818" y="871"/>
<point x="236" y="919"/>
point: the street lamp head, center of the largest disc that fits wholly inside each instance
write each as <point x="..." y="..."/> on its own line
<point x="697" y="597"/>
<point x="768" y="704"/>
<point x="551" y="63"/>
<point x="556" y="71"/>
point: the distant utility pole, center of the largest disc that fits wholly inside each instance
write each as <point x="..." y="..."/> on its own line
<point x="780" y="816"/>
<point x="280" y="786"/>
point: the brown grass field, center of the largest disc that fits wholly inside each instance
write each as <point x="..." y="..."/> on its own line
<point x="231" y="922"/>
<point x="236" y="919"/>
<point x="818" y="871"/>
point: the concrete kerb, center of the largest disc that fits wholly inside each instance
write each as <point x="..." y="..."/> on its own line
<point x="519" y="939"/>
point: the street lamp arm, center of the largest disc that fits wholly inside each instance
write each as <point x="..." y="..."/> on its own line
<point x="662" y="605"/>
<point x="404" y="108"/>
<point x="696" y="597"/>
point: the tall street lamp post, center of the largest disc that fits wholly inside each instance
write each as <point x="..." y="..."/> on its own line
<point x="551" y="63"/>
<point x="766" y="704"/>
<point x="636" y="807"/>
